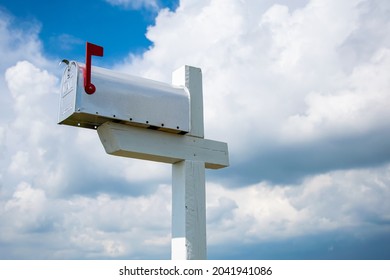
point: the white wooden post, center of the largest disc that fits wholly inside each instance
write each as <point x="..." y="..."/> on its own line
<point x="188" y="180"/>
<point x="188" y="211"/>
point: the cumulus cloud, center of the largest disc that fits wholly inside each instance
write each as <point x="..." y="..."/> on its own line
<point x="136" y="4"/>
<point x="19" y="42"/>
<point x="295" y="89"/>
<point x="101" y="227"/>
<point x="358" y="108"/>
<point x="296" y="95"/>
<point x="26" y="206"/>
<point x="30" y="134"/>
<point x="322" y="203"/>
<point x="108" y="226"/>
<point x="273" y="82"/>
<point x="52" y="176"/>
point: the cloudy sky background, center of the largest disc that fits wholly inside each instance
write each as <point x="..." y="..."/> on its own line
<point x="300" y="90"/>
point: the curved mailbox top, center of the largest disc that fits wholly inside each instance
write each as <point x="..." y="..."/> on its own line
<point x="122" y="98"/>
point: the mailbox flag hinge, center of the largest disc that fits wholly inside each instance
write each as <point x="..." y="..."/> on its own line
<point x="91" y="50"/>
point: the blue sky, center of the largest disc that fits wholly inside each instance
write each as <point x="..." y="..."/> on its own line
<point x="298" y="89"/>
<point x="65" y="26"/>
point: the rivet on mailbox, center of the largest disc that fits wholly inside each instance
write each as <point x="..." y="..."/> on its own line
<point x="91" y="96"/>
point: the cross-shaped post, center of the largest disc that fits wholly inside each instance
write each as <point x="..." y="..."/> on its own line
<point x="188" y="180"/>
<point x="189" y="155"/>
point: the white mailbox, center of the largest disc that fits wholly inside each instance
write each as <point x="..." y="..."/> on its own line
<point x="121" y="98"/>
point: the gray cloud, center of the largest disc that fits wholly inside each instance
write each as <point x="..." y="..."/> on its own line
<point x="302" y="101"/>
<point x="292" y="163"/>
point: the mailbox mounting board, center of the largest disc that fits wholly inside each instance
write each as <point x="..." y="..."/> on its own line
<point x="122" y="98"/>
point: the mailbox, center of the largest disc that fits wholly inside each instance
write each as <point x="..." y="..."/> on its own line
<point x="121" y="98"/>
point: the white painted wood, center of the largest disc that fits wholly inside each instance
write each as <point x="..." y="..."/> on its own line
<point x="135" y="142"/>
<point x="188" y="180"/>
<point x="188" y="211"/>
<point x="191" y="77"/>
<point x="189" y="155"/>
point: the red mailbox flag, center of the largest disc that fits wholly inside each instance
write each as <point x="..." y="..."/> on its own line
<point x="91" y="50"/>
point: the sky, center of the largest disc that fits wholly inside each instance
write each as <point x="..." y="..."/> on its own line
<point x="299" y="89"/>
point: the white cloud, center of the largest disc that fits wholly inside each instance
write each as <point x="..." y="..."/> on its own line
<point x="19" y="43"/>
<point x="296" y="39"/>
<point x="112" y="227"/>
<point x="281" y="83"/>
<point x="46" y="169"/>
<point x="29" y="87"/>
<point x="359" y="107"/>
<point x="99" y="227"/>
<point x="289" y="89"/>
<point x="26" y="205"/>
<point x="341" y="200"/>
<point x="136" y="4"/>
<point x="242" y="52"/>
<point x="31" y="134"/>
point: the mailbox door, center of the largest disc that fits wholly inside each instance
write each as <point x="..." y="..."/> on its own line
<point x="68" y="93"/>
